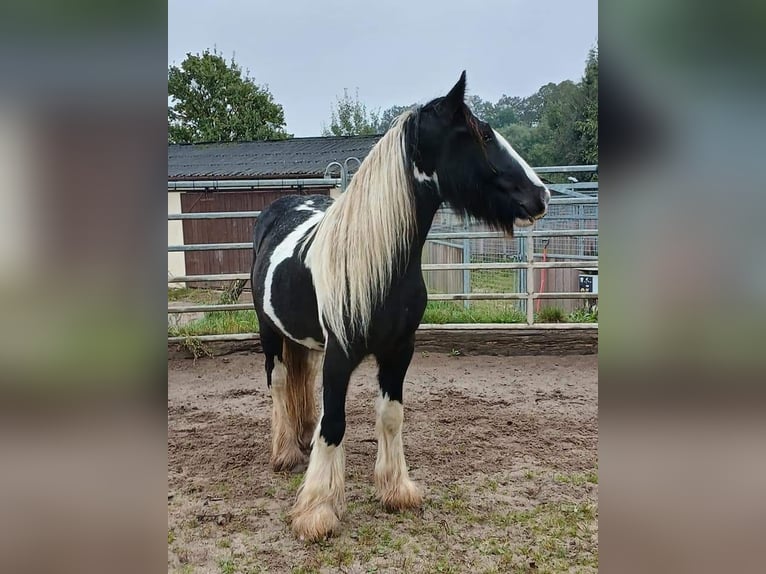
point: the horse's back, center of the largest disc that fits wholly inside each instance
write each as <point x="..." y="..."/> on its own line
<point x="283" y="216"/>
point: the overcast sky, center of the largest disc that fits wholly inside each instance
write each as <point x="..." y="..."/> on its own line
<point x="395" y="52"/>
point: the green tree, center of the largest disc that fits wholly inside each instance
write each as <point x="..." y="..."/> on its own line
<point x="350" y="117"/>
<point x="482" y="109"/>
<point x="587" y="125"/>
<point x="505" y="112"/>
<point x="211" y="100"/>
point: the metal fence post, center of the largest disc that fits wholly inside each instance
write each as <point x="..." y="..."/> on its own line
<point x="530" y="249"/>
<point x="466" y="259"/>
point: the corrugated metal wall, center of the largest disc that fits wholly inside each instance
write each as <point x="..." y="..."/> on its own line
<point x="224" y="230"/>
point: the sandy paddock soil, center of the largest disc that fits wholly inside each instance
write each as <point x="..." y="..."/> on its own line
<point x="504" y="447"/>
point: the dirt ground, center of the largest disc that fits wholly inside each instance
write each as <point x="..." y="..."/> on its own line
<point x="505" y="449"/>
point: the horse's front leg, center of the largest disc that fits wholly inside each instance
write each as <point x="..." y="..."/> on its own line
<point x="392" y="482"/>
<point x="321" y="500"/>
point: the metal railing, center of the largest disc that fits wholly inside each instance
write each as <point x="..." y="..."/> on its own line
<point x="529" y="265"/>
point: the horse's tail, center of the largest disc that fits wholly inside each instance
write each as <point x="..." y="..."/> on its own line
<point x="302" y="365"/>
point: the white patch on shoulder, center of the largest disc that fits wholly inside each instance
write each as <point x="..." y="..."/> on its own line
<point x="533" y="177"/>
<point x="283" y="251"/>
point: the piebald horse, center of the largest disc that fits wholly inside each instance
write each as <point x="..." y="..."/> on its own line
<point x="337" y="280"/>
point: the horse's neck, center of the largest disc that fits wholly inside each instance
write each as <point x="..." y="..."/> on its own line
<point x="427" y="202"/>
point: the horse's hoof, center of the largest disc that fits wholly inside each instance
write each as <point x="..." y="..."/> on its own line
<point x="404" y="496"/>
<point x="295" y="462"/>
<point x="315" y="524"/>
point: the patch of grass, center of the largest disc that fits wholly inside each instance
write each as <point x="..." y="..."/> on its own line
<point x="224" y="543"/>
<point x="551" y="315"/>
<point x="271" y="491"/>
<point x="337" y="556"/>
<point x="558" y="536"/>
<point x="441" y="312"/>
<point x="171" y="537"/>
<point x="453" y="500"/>
<point x="577" y="478"/>
<point x="196" y="347"/>
<point x="294" y="482"/>
<point x="227" y="566"/>
<point x="367" y="534"/>
<point x="445" y="566"/>
<point x="192" y="294"/>
<point x="583" y="315"/>
<point x="218" y="323"/>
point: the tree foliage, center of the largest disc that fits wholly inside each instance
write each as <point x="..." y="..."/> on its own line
<point x="587" y="124"/>
<point x="556" y="125"/>
<point x="350" y="117"/>
<point x="211" y="100"/>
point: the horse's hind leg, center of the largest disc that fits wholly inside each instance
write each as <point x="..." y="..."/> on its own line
<point x="286" y="454"/>
<point x="392" y="482"/>
<point x="301" y="364"/>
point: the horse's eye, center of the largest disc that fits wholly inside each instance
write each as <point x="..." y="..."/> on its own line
<point x="487" y="137"/>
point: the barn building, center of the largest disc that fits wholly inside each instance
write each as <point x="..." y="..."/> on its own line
<point x="246" y="176"/>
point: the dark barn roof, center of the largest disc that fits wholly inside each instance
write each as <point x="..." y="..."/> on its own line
<point x="295" y="157"/>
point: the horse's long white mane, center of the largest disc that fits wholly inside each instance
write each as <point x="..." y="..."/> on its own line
<point x="362" y="237"/>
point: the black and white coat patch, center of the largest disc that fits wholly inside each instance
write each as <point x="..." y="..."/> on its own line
<point x="282" y="285"/>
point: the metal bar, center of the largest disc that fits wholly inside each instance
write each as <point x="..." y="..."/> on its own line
<point x="211" y="338"/>
<point x="215" y="184"/>
<point x="508" y="296"/>
<point x="456" y="235"/>
<point x="214" y="277"/>
<point x="431" y="297"/>
<point x="209" y="246"/>
<point x="502" y="326"/>
<point x="239" y="214"/>
<point x="466" y="269"/>
<point x="209" y="308"/>
<point x="501" y="235"/>
<point x="589" y="185"/>
<point x="578" y="295"/>
<point x="476" y="296"/>
<point x="566" y="168"/>
<point x="584" y="259"/>
<point x="426" y="267"/>
<point x="573" y="200"/>
<point x="536" y="265"/>
<point x="255" y="214"/>
<point x="423" y="327"/>
<point x="566" y="190"/>
<point x="530" y="243"/>
<point x="213" y="215"/>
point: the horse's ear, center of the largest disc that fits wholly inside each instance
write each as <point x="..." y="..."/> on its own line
<point x="453" y="101"/>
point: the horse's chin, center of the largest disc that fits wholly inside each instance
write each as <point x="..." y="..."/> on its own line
<point x="523" y="222"/>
